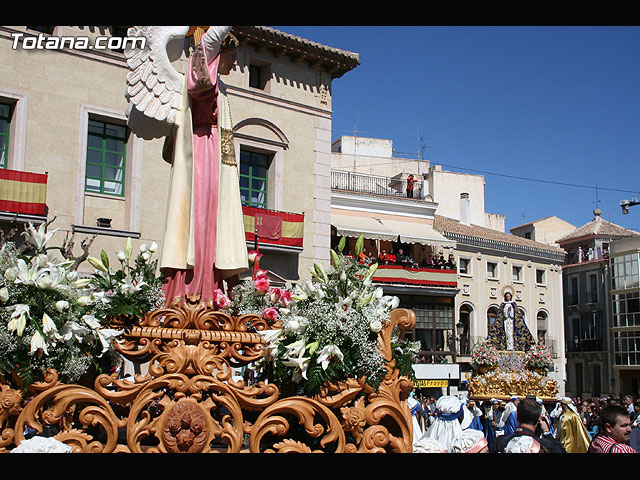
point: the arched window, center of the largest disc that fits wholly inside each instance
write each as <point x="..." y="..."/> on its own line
<point x="542" y="324"/>
<point x="492" y="312"/>
<point x="463" y="328"/>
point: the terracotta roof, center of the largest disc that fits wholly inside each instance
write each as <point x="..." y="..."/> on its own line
<point x="337" y="62"/>
<point x="598" y="227"/>
<point x="449" y="225"/>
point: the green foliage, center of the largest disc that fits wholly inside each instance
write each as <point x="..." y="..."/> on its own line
<point x="330" y="326"/>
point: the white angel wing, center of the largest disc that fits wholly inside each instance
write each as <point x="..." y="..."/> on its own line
<point x="153" y="84"/>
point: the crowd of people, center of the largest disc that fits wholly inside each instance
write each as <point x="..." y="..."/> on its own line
<point x="608" y="424"/>
<point x="406" y="260"/>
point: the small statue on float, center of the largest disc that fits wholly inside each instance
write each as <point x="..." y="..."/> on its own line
<point x="509" y="331"/>
<point x="511" y="362"/>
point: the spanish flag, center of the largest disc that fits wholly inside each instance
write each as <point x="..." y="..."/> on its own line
<point x="273" y="227"/>
<point x="23" y="192"/>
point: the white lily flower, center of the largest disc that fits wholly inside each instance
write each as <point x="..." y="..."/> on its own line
<point x="72" y="332"/>
<point x="4" y="294"/>
<point x="38" y="237"/>
<point x="19" y="318"/>
<point x="301" y="363"/>
<point x="62" y="305"/>
<point x="92" y="322"/>
<point x="106" y="337"/>
<point x="26" y="274"/>
<point x="44" y="281"/>
<point x="121" y="255"/>
<point x="143" y="248"/>
<point x="270" y="336"/>
<point x="153" y="247"/>
<point x="82" y="282"/>
<point x="146" y="255"/>
<point x="295" y="349"/>
<point x="327" y="353"/>
<point x="48" y="324"/>
<point x="38" y="342"/>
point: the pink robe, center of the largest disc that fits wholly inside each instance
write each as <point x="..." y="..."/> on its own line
<point x="203" y="278"/>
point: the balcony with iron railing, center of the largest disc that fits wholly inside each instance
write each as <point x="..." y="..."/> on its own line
<point x="395" y="187"/>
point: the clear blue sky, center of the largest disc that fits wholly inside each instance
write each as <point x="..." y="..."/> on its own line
<point x="557" y="104"/>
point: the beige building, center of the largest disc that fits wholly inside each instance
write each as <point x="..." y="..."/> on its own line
<point x="63" y="114"/>
<point x="545" y="230"/>
<point x="446" y="215"/>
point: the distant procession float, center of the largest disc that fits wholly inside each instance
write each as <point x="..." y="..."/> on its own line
<point x="510" y="362"/>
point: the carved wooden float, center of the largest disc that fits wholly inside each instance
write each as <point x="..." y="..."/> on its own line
<point x="189" y="401"/>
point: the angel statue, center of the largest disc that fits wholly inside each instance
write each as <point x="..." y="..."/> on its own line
<point x="204" y="240"/>
<point x="509" y="331"/>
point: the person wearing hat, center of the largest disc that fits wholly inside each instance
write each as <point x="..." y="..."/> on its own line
<point x="572" y="433"/>
<point x="428" y="445"/>
<point x="529" y="414"/>
<point x="510" y="415"/>
<point x="470" y="441"/>
<point x="452" y="417"/>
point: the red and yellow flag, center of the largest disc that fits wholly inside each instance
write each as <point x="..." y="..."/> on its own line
<point x="23" y="192"/>
<point x="273" y="227"/>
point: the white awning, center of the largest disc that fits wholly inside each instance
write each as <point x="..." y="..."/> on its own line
<point x="354" y="226"/>
<point x="422" y="233"/>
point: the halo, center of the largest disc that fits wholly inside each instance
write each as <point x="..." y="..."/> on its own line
<point x="508" y="289"/>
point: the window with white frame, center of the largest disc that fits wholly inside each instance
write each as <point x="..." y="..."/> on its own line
<point x="5" y="126"/>
<point x="464" y="266"/>
<point x="106" y="153"/>
<point x="492" y="270"/>
<point x="541" y="276"/>
<point x="516" y="273"/>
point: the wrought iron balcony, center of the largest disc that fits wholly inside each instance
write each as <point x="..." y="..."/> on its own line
<point x="373" y="184"/>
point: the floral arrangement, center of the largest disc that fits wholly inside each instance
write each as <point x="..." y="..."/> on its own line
<point x="484" y="354"/>
<point x="327" y="326"/>
<point x="51" y="318"/>
<point x="130" y="291"/>
<point x="539" y="357"/>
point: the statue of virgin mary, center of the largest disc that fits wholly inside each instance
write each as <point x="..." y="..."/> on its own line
<point x="509" y="331"/>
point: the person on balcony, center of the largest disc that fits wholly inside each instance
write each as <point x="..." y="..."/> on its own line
<point x="410" y="182"/>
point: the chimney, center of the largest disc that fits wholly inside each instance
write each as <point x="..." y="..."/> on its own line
<point x="465" y="207"/>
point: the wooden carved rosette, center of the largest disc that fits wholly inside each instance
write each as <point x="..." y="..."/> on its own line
<point x="188" y="402"/>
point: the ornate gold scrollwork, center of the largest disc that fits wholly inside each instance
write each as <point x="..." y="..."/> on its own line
<point x="190" y="402"/>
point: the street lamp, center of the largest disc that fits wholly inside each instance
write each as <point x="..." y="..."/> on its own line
<point x="625" y="204"/>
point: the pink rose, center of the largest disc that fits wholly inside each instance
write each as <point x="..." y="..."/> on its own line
<point x="262" y="285"/>
<point x="285" y="298"/>
<point x="274" y="294"/>
<point x="221" y="300"/>
<point x="270" y="314"/>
